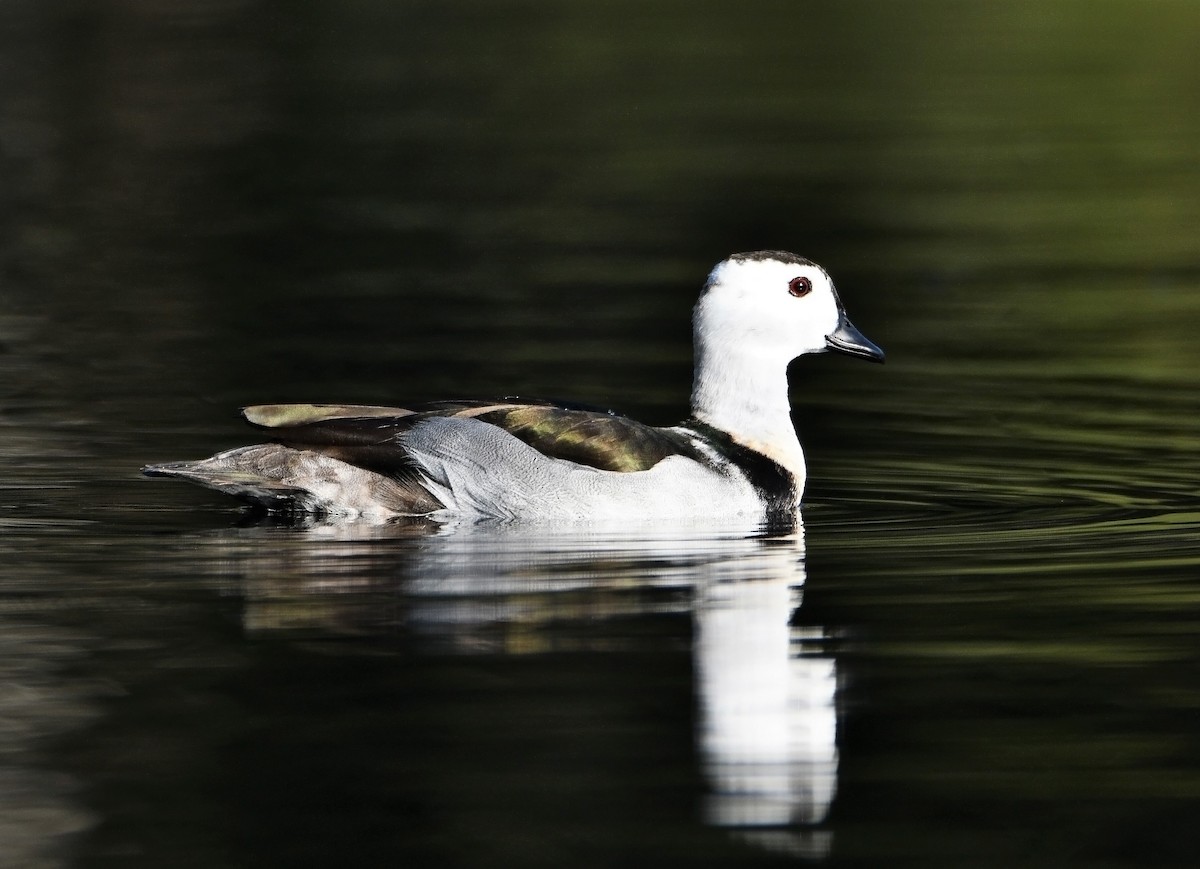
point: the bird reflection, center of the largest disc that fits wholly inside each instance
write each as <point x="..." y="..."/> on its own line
<point x="768" y="722"/>
<point x="765" y="687"/>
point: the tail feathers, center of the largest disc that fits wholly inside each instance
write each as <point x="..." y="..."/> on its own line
<point x="283" y="478"/>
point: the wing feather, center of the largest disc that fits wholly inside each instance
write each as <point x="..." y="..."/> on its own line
<point x="600" y="440"/>
<point x="368" y="435"/>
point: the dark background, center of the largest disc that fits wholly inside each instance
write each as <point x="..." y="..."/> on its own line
<point x="209" y="204"/>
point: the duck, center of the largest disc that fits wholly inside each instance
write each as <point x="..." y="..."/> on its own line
<point x="736" y="456"/>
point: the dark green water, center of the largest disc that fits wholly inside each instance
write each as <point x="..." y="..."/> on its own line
<point x="994" y="661"/>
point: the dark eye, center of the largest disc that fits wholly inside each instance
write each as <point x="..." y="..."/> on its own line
<point x="799" y="287"/>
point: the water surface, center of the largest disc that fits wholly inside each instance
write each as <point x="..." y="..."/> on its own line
<point x="979" y="650"/>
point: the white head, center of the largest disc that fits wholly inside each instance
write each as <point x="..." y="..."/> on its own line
<point x="758" y="312"/>
<point x="774" y="306"/>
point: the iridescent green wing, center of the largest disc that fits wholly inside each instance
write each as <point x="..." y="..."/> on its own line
<point x="364" y="435"/>
<point x="600" y="440"/>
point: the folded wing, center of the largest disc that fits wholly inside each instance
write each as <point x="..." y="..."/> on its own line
<point x="369" y="458"/>
<point x="368" y="436"/>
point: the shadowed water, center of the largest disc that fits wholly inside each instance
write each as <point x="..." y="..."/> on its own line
<point x="981" y="650"/>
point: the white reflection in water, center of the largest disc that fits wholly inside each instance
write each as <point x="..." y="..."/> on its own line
<point x="767" y="722"/>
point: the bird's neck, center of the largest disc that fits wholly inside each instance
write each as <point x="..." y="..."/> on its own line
<point x="745" y="394"/>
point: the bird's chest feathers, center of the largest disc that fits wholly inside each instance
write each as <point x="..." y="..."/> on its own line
<point x="788" y="456"/>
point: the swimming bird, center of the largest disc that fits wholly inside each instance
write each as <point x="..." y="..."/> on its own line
<point x="736" y="456"/>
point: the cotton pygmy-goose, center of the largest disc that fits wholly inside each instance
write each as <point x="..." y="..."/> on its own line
<point x="737" y="456"/>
